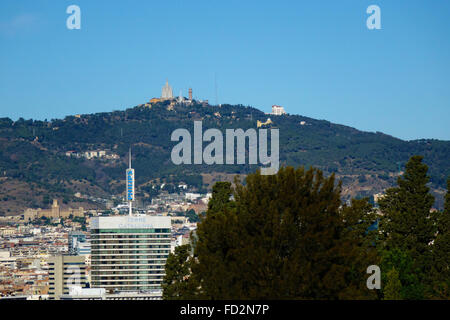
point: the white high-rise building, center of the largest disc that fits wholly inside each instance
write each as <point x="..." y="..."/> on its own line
<point x="129" y="253"/>
<point x="167" y="92"/>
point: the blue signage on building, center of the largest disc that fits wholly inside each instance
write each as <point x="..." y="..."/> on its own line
<point x="130" y="184"/>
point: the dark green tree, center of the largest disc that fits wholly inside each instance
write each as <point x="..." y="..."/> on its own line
<point x="442" y="250"/>
<point x="176" y="283"/>
<point x="393" y="287"/>
<point x="192" y="216"/>
<point x="408" y="224"/>
<point x="216" y="237"/>
<point x="285" y="236"/>
<point x="411" y="283"/>
<point x="358" y="245"/>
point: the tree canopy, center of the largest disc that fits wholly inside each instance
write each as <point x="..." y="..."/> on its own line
<point x="290" y="236"/>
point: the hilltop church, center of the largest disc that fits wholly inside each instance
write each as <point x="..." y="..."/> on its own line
<point x="167" y="94"/>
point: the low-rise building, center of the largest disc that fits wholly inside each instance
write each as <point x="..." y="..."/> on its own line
<point x="65" y="271"/>
<point x="54" y="212"/>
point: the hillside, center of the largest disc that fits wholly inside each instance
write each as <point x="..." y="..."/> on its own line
<point x="38" y="158"/>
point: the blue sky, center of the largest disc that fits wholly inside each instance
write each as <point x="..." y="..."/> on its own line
<point x="315" y="58"/>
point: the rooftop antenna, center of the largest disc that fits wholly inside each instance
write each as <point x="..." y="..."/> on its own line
<point x="129" y="158"/>
<point x="215" y="86"/>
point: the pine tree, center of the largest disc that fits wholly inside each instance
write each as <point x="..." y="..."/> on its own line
<point x="407" y="223"/>
<point x="177" y="283"/>
<point x="392" y="289"/>
<point x="215" y="238"/>
<point x="412" y="287"/>
<point x="284" y="236"/>
<point x="358" y="243"/>
<point x="442" y="250"/>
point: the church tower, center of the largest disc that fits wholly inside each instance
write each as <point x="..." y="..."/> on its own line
<point x="167" y="93"/>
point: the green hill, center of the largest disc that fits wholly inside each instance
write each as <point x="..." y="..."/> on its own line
<point x="34" y="166"/>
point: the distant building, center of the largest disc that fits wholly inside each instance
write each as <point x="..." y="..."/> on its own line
<point x="192" y="196"/>
<point x="278" y="110"/>
<point x="78" y="243"/>
<point x="190" y="94"/>
<point x="167" y="93"/>
<point x="260" y="124"/>
<point x="155" y="100"/>
<point x="182" y="239"/>
<point x="129" y="253"/>
<point x="54" y="212"/>
<point x="378" y="196"/>
<point x="6" y="260"/>
<point x="78" y="293"/>
<point x="91" y="154"/>
<point x="65" y="271"/>
<point x="180" y="98"/>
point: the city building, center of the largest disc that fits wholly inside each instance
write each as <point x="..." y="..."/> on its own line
<point x="65" y="271"/>
<point x="129" y="253"/>
<point x="167" y="93"/>
<point x="78" y="293"/>
<point x="78" y="244"/>
<point x="54" y="212"/>
<point x="6" y="260"/>
<point x="278" y="110"/>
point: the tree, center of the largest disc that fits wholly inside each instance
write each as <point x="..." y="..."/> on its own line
<point x="215" y="237"/>
<point x="393" y="287"/>
<point x="284" y="236"/>
<point x="46" y="200"/>
<point x="411" y="282"/>
<point x="442" y="250"/>
<point x="360" y="236"/>
<point x="407" y="223"/>
<point x="192" y="216"/>
<point x="176" y="284"/>
<point x="220" y="196"/>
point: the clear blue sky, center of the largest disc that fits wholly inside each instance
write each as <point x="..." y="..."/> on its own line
<point x="315" y="58"/>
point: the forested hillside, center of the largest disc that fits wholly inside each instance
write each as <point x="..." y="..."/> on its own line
<point x="35" y="165"/>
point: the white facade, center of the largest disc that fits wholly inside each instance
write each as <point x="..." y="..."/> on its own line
<point x="6" y="260"/>
<point x="129" y="253"/>
<point x="192" y="196"/>
<point x="278" y="110"/>
<point x="167" y="92"/>
<point x="127" y="222"/>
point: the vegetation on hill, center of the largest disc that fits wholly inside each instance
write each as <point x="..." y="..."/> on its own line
<point x="33" y="152"/>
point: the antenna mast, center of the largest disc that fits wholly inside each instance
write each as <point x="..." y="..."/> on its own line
<point x="130" y="184"/>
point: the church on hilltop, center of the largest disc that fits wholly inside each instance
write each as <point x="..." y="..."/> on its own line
<point x="167" y="93"/>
